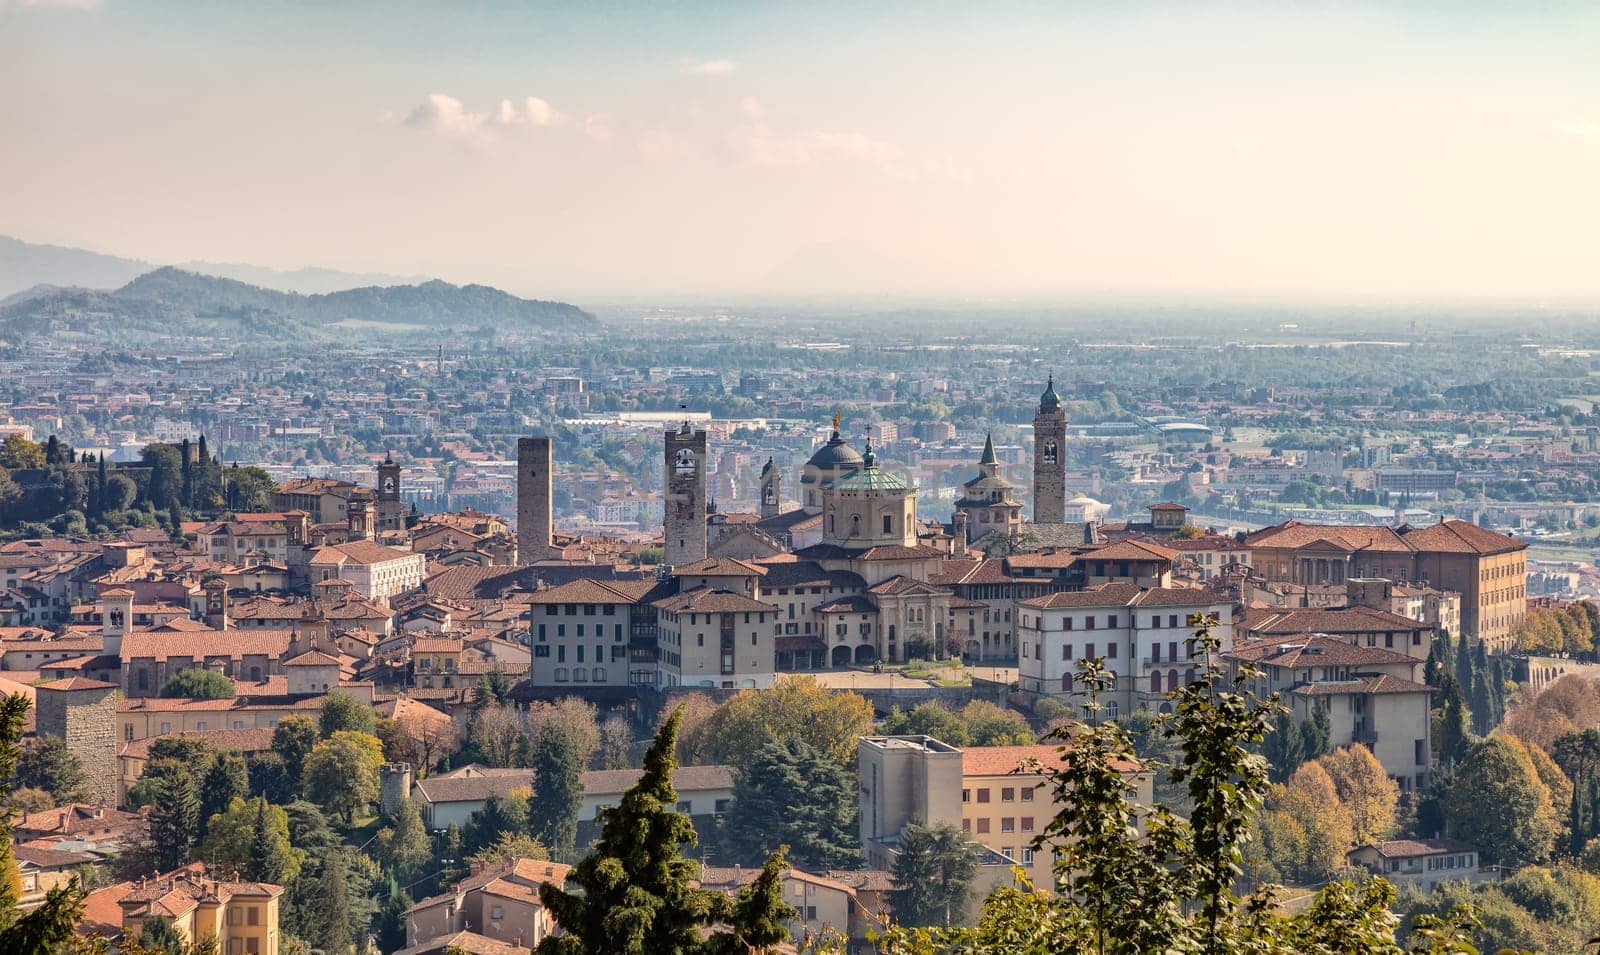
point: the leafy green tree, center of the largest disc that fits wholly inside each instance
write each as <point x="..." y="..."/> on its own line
<point x="252" y="838"/>
<point x="989" y="725"/>
<point x="1499" y="804"/>
<point x="404" y="847"/>
<point x="502" y="815"/>
<point x="198" y="684"/>
<point x="928" y="719"/>
<point x="758" y="919"/>
<point x="18" y="453"/>
<point x="636" y="893"/>
<point x="335" y="927"/>
<point x="1284" y="747"/>
<point x="509" y="847"/>
<point x="558" y="769"/>
<point x="795" y="707"/>
<point x="158" y="934"/>
<point x="933" y="874"/>
<point x="47" y="764"/>
<point x="792" y="795"/>
<point x="341" y="774"/>
<point x="224" y="781"/>
<point x="293" y="740"/>
<point x="344" y="711"/>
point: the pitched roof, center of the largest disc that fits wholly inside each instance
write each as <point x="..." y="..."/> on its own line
<point x="1105" y="595"/>
<point x="594" y="592"/>
<point x="76" y="683"/>
<point x="720" y="567"/>
<point x="1366" y="683"/>
<point x="1460" y="537"/>
<point x="198" y="645"/>
<point x="359" y="552"/>
<point x="706" y="600"/>
<point x="1407" y="848"/>
<point x="1344" y="620"/>
<point x="1004" y="760"/>
<point x="614" y="782"/>
<point x="1292" y="650"/>
<point x="1131" y="549"/>
<point x="1348" y="537"/>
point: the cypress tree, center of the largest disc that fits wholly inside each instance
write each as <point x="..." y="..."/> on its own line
<point x="225" y="780"/>
<point x="1463" y="664"/>
<point x="332" y="927"/>
<point x="174" y="821"/>
<point x="1454" y="731"/>
<point x="1497" y="690"/>
<point x="558" y="770"/>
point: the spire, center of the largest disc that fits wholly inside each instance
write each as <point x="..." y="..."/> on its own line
<point x="869" y="457"/>
<point x="988" y="451"/>
<point x="1050" y="401"/>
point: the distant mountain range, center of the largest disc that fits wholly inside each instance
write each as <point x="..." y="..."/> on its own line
<point x="24" y="265"/>
<point x="171" y="301"/>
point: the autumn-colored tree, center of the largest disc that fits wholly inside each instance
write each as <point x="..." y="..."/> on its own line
<point x="1498" y="802"/>
<point x="795" y="707"/>
<point x="1366" y="791"/>
<point x="1312" y="801"/>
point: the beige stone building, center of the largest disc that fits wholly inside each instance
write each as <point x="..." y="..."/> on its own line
<point x="500" y="903"/>
<point x="1369" y="695"/>
<point x="241" y="916"/>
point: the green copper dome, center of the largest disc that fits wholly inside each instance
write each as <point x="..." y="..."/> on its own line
<point x="1050" y="401"/>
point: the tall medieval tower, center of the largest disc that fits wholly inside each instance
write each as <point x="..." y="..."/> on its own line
<point x="534" y="491"/>
<point x="391" y="509"/>
<point x="84" y="714"/>
<point x="771" y="490"/>
<point x="685" y="525"/>
<point x="1050" y="458"/>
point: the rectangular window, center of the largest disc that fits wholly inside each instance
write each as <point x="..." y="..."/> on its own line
<point x="1088" y="651"/>
<point x="983" y="795"/>
<point x="252" y="915"/>
<point x="1008" y="824"/>
<point x="1088" y="623"/>
<point x="1008" y="794"/>
<point x="1066" y="623"/>
<point x="983" y="826"/>
<point x="1111" y="621"/>
<point x="1027" y="794"/>
<point x="1111" y="651"/>
<point x="966" y="795"/>
<point x="1027" y="824"/>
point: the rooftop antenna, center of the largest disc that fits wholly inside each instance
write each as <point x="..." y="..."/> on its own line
<point x="439" y="368"/>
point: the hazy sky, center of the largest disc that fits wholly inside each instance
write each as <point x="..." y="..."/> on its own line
<point x="1047" y="151"/>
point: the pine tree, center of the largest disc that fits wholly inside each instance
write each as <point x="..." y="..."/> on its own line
<point x="637" y="895"/>
<point x="174" y="821"/>
<point x="270" y="850"/>
<point x="1284" y="747"/>
<point x="49" y="765"/>
<point x="334" y="934"/>
<point x="757" y="920"/>
<point x="792" y="794"/>
<point x="1497" y="691"/>
<point x="933" y="872"/>
<point x="1316" y="733"/>
<point x="225" y="780"/>
<point x="558" y="771"/>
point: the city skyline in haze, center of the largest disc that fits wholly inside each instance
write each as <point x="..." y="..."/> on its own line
<point x="1350" y="153"/>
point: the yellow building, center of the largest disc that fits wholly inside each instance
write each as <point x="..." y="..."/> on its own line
<point x="241" y="916"/>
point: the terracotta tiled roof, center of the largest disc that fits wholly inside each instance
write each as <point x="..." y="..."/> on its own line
<point x="1003" y="760"/>
<point x="720" y="567"/>
<point x="1105" y="595"/>
<point x="76" y="683"/>
<point x="245" y="741"/>
<point x="233" y="644"/>
<point x="615" y="782"/>
<point x="1130" y="549"/>
<point x="1460" y="537"/>
<point x="1291" y="650"/>
<point x="358" y="552"/>
<point x="594" y="592"/>
<point x="1379" y="683"/>
<point x="1293" y="534"/>
<point x="854" y="603"/>
<point x="705" y="600"/>
<point x="1407" y="848"/>
<point x="793" y="573"/>
<point x="1346" y="620"/>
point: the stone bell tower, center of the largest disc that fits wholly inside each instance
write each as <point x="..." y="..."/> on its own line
<point x="535" y="488"/>
<point x="685" y="522"/>
<point x="1050" y="458"/>
<point x="771" y="490"/>
<point x="391" y="509"/>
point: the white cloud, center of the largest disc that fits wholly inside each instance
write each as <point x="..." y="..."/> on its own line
<point x="443" y="113"/>
<point x="712" y="67"/>
<point x="1583" y="131"/>
<point x="752" y="107"/>
<point x="541" y="113"/>
<point x="597" y="126"/>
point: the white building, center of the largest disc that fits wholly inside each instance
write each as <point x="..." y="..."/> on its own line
<point x="377" y="572"/>
<point x="1143" y="635"/>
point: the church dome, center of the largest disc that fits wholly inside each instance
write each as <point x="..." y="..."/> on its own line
<point x="1050" y="401"/>
<point x="835" y="455"/>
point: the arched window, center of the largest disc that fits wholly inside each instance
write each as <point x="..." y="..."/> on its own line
<point x="1155" y="681"/>
<point x="1188" y="677"/>
<point x="1049" y="453"/>
<point x="1172" y="679"/>
<point x="855" y="525"/>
